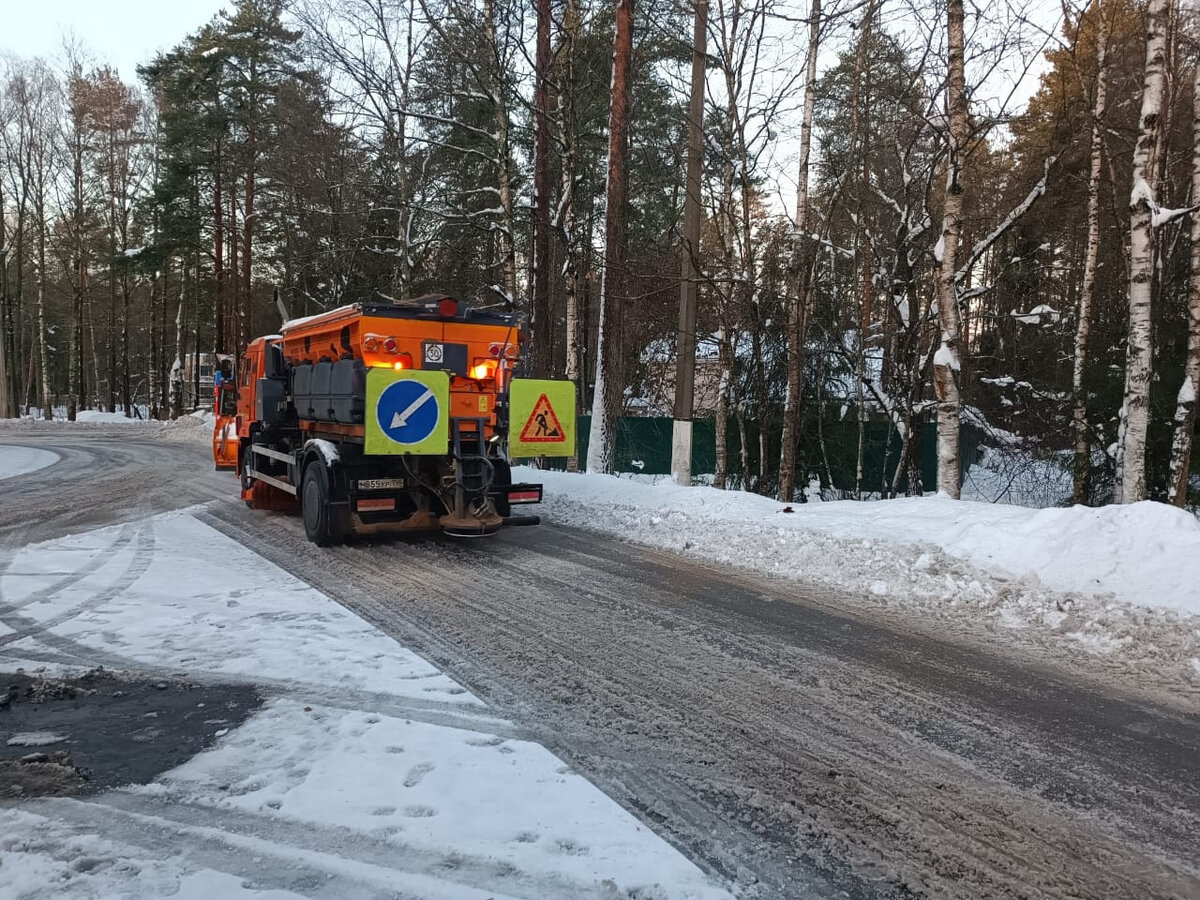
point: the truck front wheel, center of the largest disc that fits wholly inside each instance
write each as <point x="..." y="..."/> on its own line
<point x="324" y="524"/>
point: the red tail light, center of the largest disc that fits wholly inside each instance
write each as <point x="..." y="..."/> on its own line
<point x="447" y="308"/>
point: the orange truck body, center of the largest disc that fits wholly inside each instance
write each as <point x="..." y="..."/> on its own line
<point x="299" y="438"/>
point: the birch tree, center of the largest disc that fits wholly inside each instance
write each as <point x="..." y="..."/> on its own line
<point x="946" y="361"/>
<point x="1135" y="409"/>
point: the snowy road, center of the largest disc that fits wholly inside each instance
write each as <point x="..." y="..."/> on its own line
<point x="782" y="742"/>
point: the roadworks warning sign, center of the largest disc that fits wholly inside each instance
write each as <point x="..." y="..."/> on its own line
<point x="541" y="418"/>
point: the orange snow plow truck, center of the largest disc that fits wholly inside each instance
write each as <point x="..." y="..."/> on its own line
<point x="390" y="417"/>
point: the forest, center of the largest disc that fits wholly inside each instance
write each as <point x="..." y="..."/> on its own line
<point x="844" y="225"/>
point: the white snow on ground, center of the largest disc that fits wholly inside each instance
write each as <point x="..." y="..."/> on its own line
<point x="1117" y="578"/>
<point x="96" y="417"/>
<point x="526" y="808"/>
<point x="40" y="857"/>
<point x="368" y="767"/>
<point x="92" y="417"/>
<point x="188" y="597"/>
<point x="22" y="460"/>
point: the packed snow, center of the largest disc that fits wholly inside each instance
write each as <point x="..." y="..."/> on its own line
<point x="94" y="417"/>
<point x="1101" y="580"/>
<point x="16" y="460"/>
<point x="368" y="773"/>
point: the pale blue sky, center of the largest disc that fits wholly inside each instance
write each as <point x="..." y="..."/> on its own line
<point x="121" y="33"/>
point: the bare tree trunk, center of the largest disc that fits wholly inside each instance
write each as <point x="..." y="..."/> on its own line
<point x="946" y="363"/>
<point x="689" y="254"/>
<point x="177" y="366"/>
<point x="744" y="447"/>
<point x="153" y="409"/>
<point x="43" y="358"/>
<point x="78" y="117"/>
<point x="606" y="400"/>
<point x="1185" y="404"/>
<point x="800" y="264"/>
<point x="96" y="382"/>
<point x="1083" y="444"/>
<point x="5" y="392"/>
<point x="235" y="304"/>
<point x="126" y="397"/>
<point x="724" y="390"/>
<point x="1131" y="449"/>
<point x="543" y="330"/>
<point x="219" y="303"/>
<point x="247" y="224"/>
<point x="566" y="210"/>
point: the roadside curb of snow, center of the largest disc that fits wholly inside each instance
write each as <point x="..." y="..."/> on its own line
<point x="188" y="429"/>
<point x="1151" y="650"/>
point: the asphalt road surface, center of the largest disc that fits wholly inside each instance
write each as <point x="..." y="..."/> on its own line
<point x="780" y="739"/>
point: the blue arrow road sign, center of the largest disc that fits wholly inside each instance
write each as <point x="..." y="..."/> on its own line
<point x="407" y="411"/>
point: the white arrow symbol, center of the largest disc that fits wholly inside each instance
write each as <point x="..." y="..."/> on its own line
<point x="400" y="419"/>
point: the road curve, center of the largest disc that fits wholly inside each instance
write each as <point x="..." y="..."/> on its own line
<point x="790" y="746"/>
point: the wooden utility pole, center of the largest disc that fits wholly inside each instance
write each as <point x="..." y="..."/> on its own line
<point x="689" y="251"/>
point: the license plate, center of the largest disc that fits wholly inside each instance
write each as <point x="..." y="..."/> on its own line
<point x="380" y="484"/>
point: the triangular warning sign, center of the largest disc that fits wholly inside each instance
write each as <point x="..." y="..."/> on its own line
<point x="543" y="426"/>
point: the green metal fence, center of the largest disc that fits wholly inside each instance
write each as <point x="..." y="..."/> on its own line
<point x="644" y="445"/>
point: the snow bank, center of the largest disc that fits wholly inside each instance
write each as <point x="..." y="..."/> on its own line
<point x="98" y="417"/>
<point x="94" y="417"/>
<point x="22" y="460"/>
<point x="1103" y="579"/>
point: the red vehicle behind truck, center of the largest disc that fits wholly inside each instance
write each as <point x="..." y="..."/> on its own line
<point x="390" y="417"/>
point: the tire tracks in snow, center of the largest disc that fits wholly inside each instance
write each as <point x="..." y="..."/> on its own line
<point x="777" y="740"/>
<point x="40" y="630"/>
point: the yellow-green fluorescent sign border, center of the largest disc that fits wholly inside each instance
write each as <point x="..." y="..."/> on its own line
<point x="407" y="411"/>
<point x="541" y="418"/>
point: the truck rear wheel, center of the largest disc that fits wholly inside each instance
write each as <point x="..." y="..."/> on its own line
<point x="324" y="524"/>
